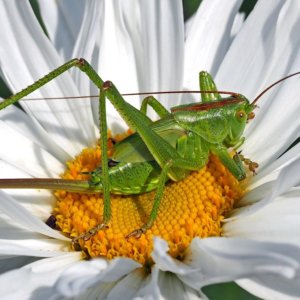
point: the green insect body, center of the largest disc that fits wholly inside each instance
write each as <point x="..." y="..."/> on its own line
<point x="193" y="134"/>
<point x="167" y="149"/>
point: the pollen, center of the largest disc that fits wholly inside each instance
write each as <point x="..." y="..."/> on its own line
<point x="192" y="207"/>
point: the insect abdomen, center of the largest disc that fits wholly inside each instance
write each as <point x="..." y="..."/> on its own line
<point x="129" y="178"/>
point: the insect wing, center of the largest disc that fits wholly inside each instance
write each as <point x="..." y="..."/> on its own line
<point x="133" y="149"/>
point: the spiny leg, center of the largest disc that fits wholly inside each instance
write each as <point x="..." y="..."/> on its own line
<point x="84" y="66"/>
<point x="234" y="165"/>
<point x="252" y="165"/>
<point x="91" y="73"/>
<point x="104" y="174"/>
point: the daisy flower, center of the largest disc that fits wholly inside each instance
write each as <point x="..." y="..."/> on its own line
<point x="143" y="46"/>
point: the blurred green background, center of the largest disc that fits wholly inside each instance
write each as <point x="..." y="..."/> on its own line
<point x="224" y="291"/>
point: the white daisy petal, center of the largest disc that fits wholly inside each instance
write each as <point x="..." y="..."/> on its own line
<point x="162" y="32"/>
<point x="31" y="129"/>
<point x="271" y="170"/>
<point x="116" y="59"/>
<point x="59" y="118"/>
<point x="202" y="52"/>
<point x="86" y="43"/>
<point x="123" y="23"/>
<point x="237" y="24"/>
<point x="283" y="133"/>
<point x="38" y="202"/>
<point x="254" y="72"/>
<point x="150" y="287"/>
<point x="38" y="163"/>
<point x="8" y="263"/>
<point x="131" y="285"/>
<point x="62" y="20"/>
<point x="214" y="260"/>
<point x="288" y="177"/>
<point x="278" y="221"/>
<point x="173" y="288"/>
<point x="23" y="217"/>
<point x="264" y="292"/>
<point x="287" y="288"/>
<point x="35" y="247"/>
<point x="139" y="46"/>
<point x="35" y="280"/>
<point x="87" y="46"/>
<point x="77" y="279"/>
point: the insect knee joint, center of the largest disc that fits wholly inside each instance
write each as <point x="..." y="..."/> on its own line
<point x="81" y="61"/>
<point x="107" y="85"/>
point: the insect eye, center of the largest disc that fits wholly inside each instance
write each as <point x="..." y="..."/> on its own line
<point x="241" y="115"/>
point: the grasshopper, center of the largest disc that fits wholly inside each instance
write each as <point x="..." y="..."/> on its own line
<point x="167" y="149"/>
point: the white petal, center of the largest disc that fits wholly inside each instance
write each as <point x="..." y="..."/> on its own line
<point x="173" y="288"/>
<point x="75" y="280"/>
<point x="272" y="170"/>
<point x="33" y="247"/>
<point x="258" y="289"/>
<point x="35" y="280"/>
<point x="277" y="222"/>
<point x="142" y="46"/>
<point x="116" y="61"/>
<point x="62" y="20"/>
<point x="27" y="57"/>
<point x="214" y="260"/>
<point x="288" y="177"/>
<point x="237" y="24"/>
<point x="162" y="33"/>
<point x="136" y="284"/>
<point x="26" y="155"/>
<point x="87" y="46"/>
<point x="31" y="129"/>
<point x="20" y="215"/>
<point x="150" y="287"/>
<point x="38" y="202"/>
<point x="208" y="39"/>
<point x="245" y="69"/>
<point x="8" y="263"/>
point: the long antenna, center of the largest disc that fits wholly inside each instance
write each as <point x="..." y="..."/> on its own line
<point x="273" y="84"/>
<point x="138" y="94"/>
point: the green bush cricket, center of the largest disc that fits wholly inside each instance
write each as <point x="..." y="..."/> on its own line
<point x="166" y="149"/>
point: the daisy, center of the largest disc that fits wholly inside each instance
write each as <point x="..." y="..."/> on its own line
<point x="140" y="46"/>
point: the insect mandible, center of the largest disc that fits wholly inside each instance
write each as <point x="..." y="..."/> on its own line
<point x="167" y="149"/>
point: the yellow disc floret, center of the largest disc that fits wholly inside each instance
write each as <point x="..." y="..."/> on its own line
<point x="193" y="207"/>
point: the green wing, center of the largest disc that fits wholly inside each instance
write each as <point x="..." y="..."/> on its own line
<point x="133" y="149"/>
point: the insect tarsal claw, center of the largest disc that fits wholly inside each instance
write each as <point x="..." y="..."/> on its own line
<point x="87" y="235"/>
<point x="136" y="233"/>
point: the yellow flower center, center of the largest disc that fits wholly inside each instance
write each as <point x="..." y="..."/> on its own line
<point x="193" y="207"/>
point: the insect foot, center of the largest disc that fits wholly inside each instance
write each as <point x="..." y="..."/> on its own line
<point x="137" y="233"/>
<point x="252" y="165"/>
<point x="87" y="235"/>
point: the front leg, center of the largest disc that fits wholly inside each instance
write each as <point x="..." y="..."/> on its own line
<point x="234" y="165"/>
